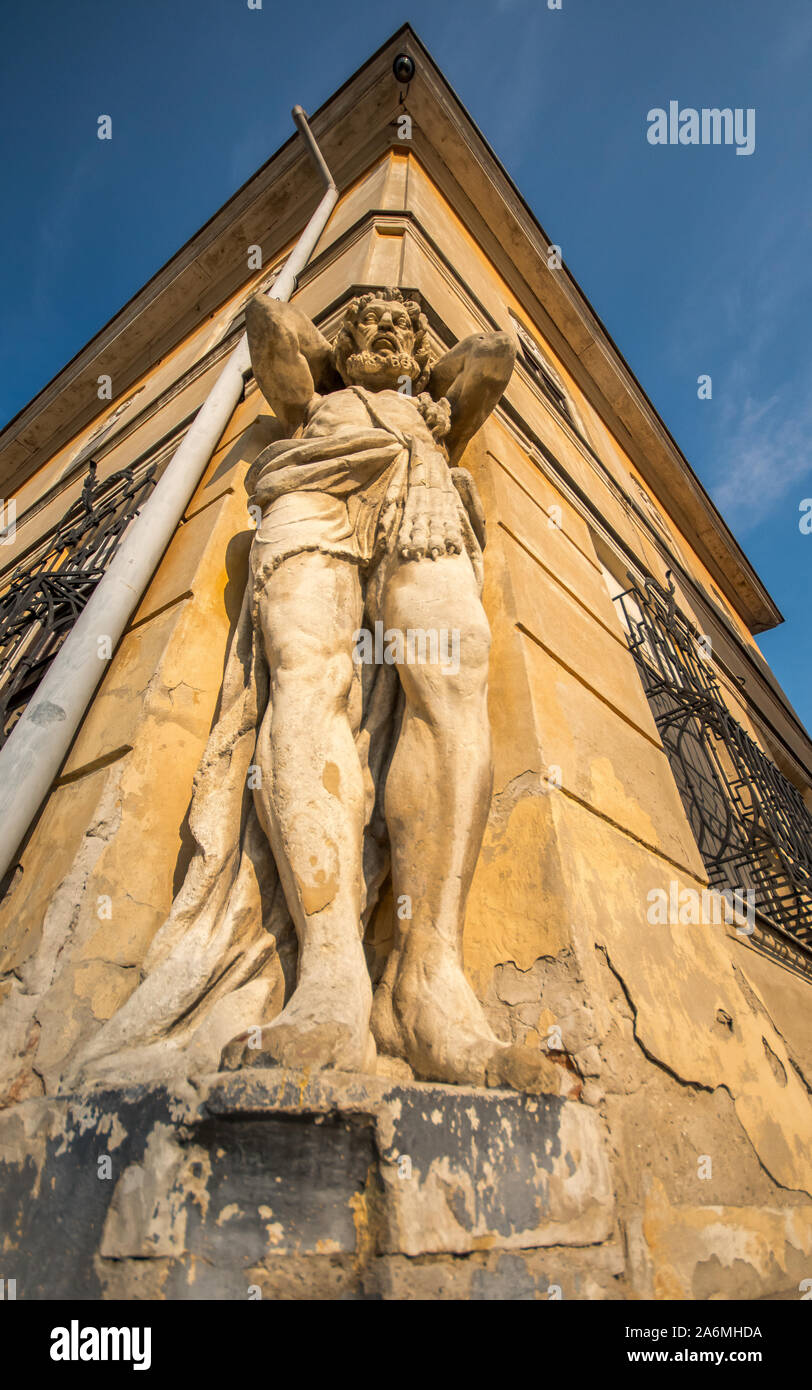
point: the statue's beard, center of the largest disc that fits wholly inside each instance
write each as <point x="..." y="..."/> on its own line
<point x="360" y="367"/>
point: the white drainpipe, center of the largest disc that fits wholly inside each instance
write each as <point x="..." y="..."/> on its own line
<point x="36" y="748"/>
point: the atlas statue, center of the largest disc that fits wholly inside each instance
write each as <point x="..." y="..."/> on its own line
<point x="328" y="779"/>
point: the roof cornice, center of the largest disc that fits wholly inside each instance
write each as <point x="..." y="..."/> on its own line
<point x="354" y="127"/>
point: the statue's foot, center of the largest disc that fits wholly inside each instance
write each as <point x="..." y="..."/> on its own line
<point x="444" y="1035"/>
<point x="325" y="1024"/>
<point x="298" y="1044"/>
<point x="523" y="1069"/>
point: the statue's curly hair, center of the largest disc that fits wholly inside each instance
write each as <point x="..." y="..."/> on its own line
<point x="345" y="344"/>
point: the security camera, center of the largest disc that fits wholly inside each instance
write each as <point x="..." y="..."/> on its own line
<point x="403" y="67"/>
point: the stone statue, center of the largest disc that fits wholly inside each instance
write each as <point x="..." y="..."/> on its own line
<point x="326" y="771"/>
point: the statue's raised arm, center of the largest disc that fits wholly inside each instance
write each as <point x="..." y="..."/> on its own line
<point x="472" y="376"/>
<point x="292" y="360"/>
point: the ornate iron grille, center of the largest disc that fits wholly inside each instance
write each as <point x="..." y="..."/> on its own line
<point x="45" y="594"/>
<point x="751" y="825"/>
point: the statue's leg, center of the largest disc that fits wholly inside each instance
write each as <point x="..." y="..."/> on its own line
<point x="437" y="802"/>
<point x="310" y="802"/>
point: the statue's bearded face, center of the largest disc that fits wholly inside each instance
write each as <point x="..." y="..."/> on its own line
<point x="384" y="339"/>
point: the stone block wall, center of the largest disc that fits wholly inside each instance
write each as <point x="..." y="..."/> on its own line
<point x="686" y="1056"/>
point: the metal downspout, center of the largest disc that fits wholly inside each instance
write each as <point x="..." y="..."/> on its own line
<point x="36" y="747"/>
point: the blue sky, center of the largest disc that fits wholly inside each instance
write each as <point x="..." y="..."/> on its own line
<point x="697" y="260"/>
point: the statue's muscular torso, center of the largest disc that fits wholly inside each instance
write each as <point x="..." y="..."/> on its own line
<point x="344" y="412"/>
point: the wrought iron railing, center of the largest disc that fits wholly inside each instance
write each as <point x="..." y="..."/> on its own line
<point x="750" y="823"/>
<point x="42" y="598"/>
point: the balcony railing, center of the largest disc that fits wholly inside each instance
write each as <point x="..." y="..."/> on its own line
<point x="42" y="598"/>
<point x="750" y="823"/>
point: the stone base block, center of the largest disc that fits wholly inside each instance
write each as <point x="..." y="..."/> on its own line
<point x="271" y="1182"/>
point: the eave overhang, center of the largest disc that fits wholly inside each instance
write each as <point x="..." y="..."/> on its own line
<point x="354" y="128"/>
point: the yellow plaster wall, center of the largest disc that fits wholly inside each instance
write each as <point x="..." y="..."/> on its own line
<point x="567" y="865"/>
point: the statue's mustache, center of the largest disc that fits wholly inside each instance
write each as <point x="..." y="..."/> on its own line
<point x="369" y="363"/>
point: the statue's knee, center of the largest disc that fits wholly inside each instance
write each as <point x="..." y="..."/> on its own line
<point x="450" y="674"/>
<point x="466" y="649"/>
<point x="475" y="642"/>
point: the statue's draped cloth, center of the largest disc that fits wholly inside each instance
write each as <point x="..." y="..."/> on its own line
<point x="224" y="959"/>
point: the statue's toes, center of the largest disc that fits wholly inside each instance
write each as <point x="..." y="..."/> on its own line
<point x="524" y="1069"/>
<point x="233" y="1054"/>
<point x="299" y="1044"/>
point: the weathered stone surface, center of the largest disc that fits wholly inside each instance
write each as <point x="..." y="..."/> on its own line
<point x="522" y="479"/>
<point x="515" y="909"/>
<point x="677" y="978"/>
<point x="211" y="1184"/>
<point x="710" y="1252"/>
<point x="605" y="761"/>
<point x="573" y="636"/>
<point x="556" y="938"/>
<point x="495" y="1172"/>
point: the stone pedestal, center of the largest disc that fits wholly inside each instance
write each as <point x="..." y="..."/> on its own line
<point x="282" y="1184"/>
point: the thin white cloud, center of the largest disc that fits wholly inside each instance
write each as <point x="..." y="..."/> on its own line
<point x="766" y="459"/>
<point x="761" y="423"/>
<point x="793" y="39"/>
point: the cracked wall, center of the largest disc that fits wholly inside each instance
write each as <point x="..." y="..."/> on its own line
<point x="682" y="1043"/>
